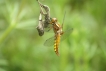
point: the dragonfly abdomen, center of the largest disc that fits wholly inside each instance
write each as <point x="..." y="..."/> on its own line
<point x="56" y="43"/>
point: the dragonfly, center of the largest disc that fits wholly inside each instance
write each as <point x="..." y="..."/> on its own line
<point x="59" y="35"/>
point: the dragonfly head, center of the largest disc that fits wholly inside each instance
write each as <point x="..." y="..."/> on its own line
<point x="53" y="20"/>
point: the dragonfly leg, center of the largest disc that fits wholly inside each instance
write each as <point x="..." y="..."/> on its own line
<point x="50" y="27"/>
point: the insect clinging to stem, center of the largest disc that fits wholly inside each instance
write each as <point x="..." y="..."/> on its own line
<point x="59" y="34"/>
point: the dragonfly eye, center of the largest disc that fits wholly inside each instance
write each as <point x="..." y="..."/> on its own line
<point x="54" y="20"/>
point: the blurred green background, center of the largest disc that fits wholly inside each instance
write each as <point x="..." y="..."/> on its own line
<point x="22" y="49"/>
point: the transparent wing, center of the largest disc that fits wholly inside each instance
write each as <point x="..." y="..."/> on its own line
<point x="50" y="41"/>
<point x="66" y="34"/>
<point x="49" y="28"/>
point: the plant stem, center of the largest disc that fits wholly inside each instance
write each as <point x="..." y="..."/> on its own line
<point x="6" y="33"/>
<point x="12" y="24"/>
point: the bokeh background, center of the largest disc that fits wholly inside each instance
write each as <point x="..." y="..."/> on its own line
<point x="22" y="49"/>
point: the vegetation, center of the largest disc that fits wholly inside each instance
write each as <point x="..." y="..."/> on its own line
<point x="22" y="49"/>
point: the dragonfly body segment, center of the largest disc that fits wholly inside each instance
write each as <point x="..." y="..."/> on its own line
<point x="56" y="43"/>
<point x="56" y="26"/>
<point x="58" y="32"/>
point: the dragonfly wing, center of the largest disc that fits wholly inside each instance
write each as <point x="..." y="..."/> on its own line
<point x="48" y="28"/>
<point x="49" y="42"/>
<point x="66" y="34"/>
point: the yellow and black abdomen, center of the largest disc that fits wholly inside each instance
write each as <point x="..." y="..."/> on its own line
<point x="56" y="43"/>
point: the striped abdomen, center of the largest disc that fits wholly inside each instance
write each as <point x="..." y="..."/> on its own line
<point x="56" y="43"/>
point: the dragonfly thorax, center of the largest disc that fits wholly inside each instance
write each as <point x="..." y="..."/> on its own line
<point x="56" y="26"/>
<point x="60" y="31"/>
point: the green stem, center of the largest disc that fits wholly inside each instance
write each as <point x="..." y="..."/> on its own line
<point x="12" y="25"/>
<point x="6" y="33"/>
